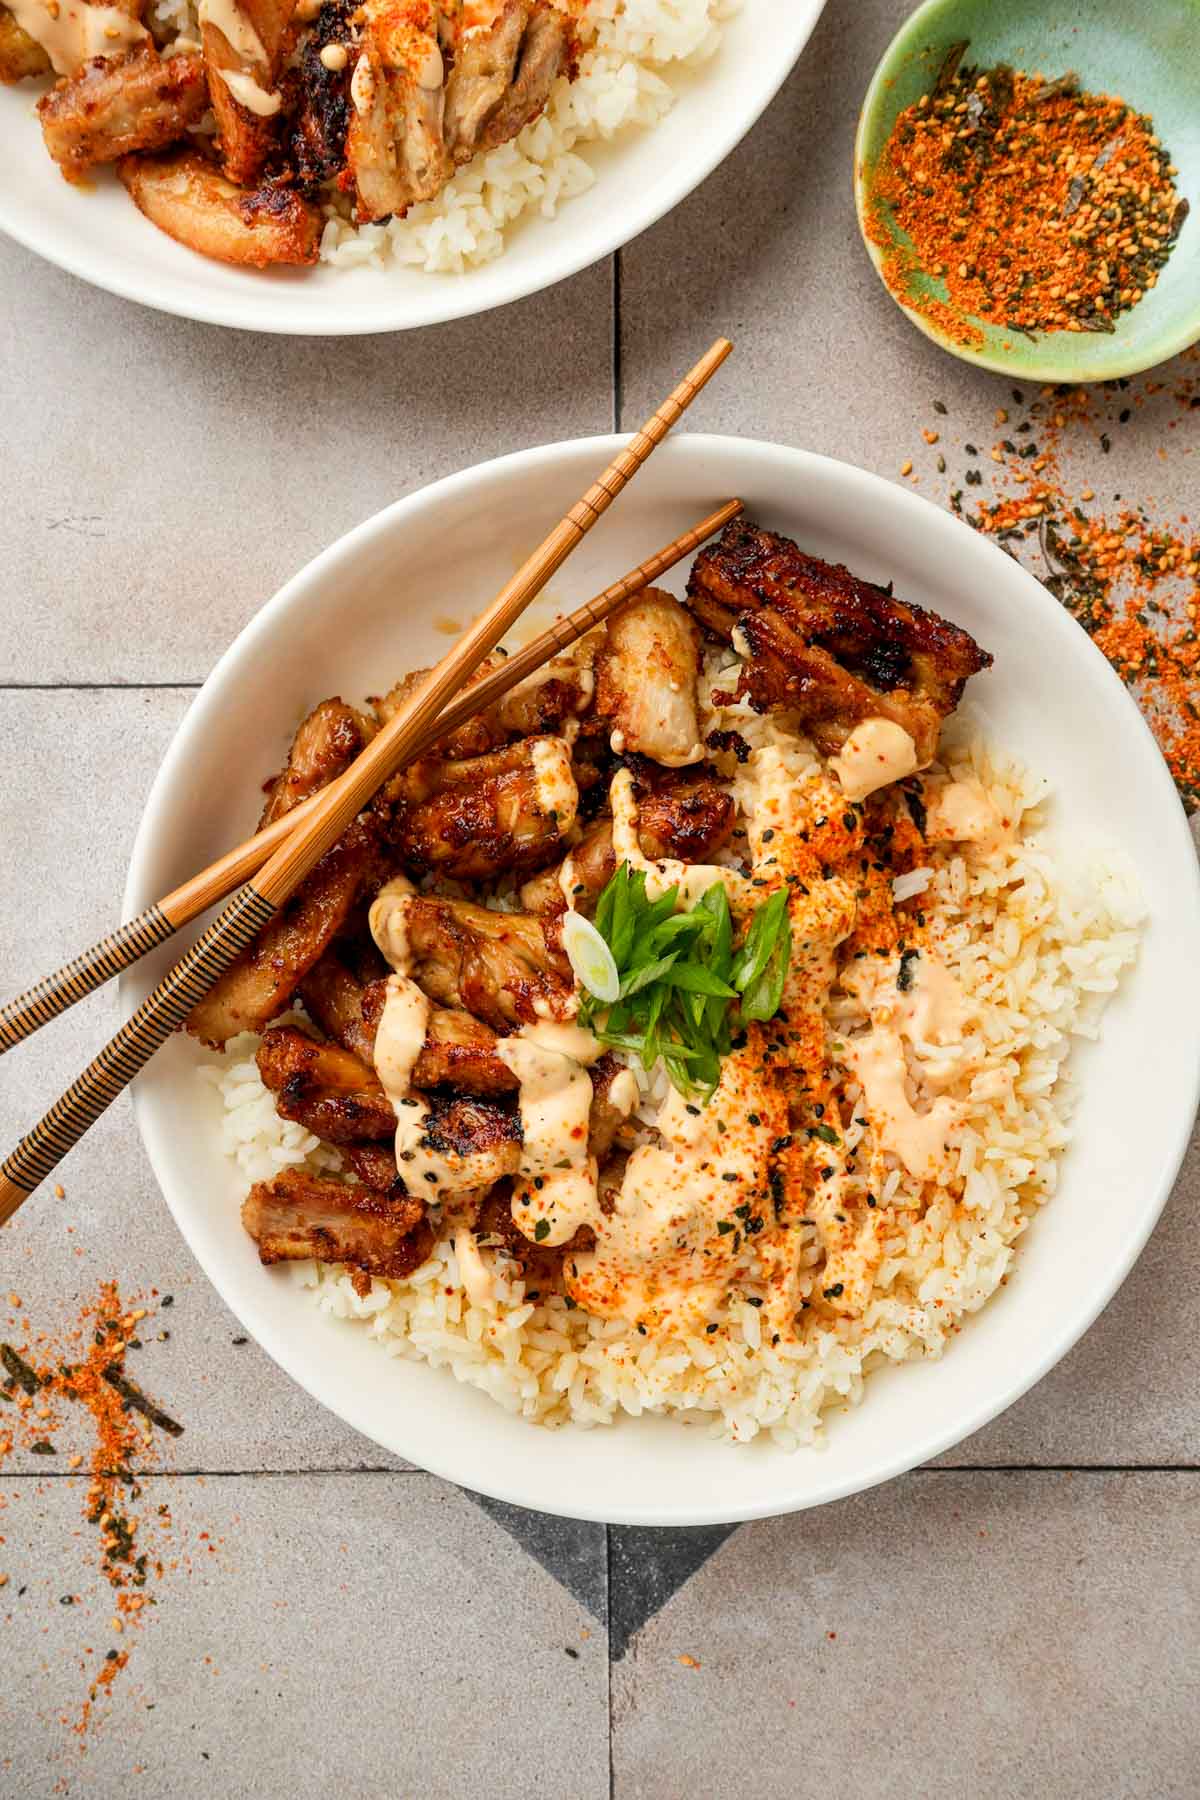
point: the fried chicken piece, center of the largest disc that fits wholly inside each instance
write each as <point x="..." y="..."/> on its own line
<point x="395" y="147"/>
<point x="323" y="748"/>
<point x="185" y="196"/>
<point x="507" y="812"/>
<point x="21" y="57"/>
<point x="323" y="1087"/>
<point x="375" y="1167"/>
<point x="116" y="104"/>
<point x="504" y="69"/>
<point x="298" y="1215"/>
<point x="607" y="1113"/>
<point x="820" y="641"/>
<point x="318" y="100"/>
<point x="242" y="73"/>
<point x="688" y="820"/>
<point x="257" y="987"/>
<point x="479" y="1140"/>
<point x="646" y="674"/>
<point x="333" y="999"/>
<point x="499" y="966"/>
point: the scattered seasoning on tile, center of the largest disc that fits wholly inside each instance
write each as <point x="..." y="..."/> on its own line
<point x="1037" y="207"/>
<point x="690" y="1662"/>
<point x="1128" y="574"/>
<point x="83" y="1367"/>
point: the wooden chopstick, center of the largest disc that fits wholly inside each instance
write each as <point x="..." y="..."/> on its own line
<point x="255" y="904"/>
<point x="126" y="946"/>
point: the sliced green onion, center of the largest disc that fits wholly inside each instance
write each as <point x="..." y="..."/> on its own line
<point x="591" y="958"/>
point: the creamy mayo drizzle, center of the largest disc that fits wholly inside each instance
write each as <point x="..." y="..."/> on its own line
<point x="71" y="32"/>
<point x="660" y="1257"/>
<point x="248" y="93"/>
<point x="876" y="753"/>
<point x="964" y="812"/>
<point x="235" y="28"/>
<point x="433" y="1174"/>
<point x="556" y="1185"/>
<point x="692" y="879"/>
<point x="918" y="1139"/>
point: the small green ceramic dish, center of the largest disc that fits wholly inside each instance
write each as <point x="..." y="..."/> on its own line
<point x="1148" y="52"/>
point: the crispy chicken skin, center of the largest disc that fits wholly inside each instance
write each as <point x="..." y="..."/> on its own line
<point x="819" y="641"/>
<point x="21" y="57"/>
<point x="646" y="674"/>
<point x="298" y="1215"/>
<point x="326" y="744"/>
<point x="506" y="812"/>
<point x="318" y="100"/>
<point x="187" y="198"/>
<point x="258" y="986"/>
<point x="324" y="1087"/>
<point x="504" y="69"/>
<point x="498" y="966"/>
<point x="246" y="138"/>
<point x="116" y="104"/>
<point x="688" y="819"/>
<point x="395" y="145"/>
<point x="480" y="1140"/>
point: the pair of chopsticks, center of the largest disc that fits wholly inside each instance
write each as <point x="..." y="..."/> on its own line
<point x="271" y="865"/>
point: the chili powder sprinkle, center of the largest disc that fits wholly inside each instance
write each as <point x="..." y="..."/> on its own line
<point x="1041" y="208"/>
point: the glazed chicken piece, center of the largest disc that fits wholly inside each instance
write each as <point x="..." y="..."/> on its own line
<point x="395" y="147"/>
<point x="499" y="966"/>
<point x="323" y="1087"/>
<point x="480" y="1141"/>
<point x="326" y="744"/>
<point x="507" y="812"/>
<point x="375" y="1167"/>
<point x="687" y="819"/>
<point x="187" y="198"/>
<point x="318" y="100"/>
<point x="333" y="999"/>
<point x="21" y="57"/>
<point x="505" y="65"/>
<point x="539" y="706"/>
<point x="646" y="675"/>
<point x="818" y="640"/>
<point x="298" y="1215"/>
<point x="607" y="1115"/>
<point x="243" y="50"/>
<point x="116" y="104"/>
<point x="258" y="986"/>
<point x="459" y="1051"/>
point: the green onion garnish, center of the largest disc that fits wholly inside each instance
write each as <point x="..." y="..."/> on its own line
<point x="684" y="990"/>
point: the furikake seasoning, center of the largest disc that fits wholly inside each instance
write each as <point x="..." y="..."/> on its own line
<point x="1041" y="208"/>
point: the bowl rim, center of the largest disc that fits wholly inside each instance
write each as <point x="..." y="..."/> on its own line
<point x="251" y="309"/>
<point x="1109" y="366"/>
<point x="705" y="450"/>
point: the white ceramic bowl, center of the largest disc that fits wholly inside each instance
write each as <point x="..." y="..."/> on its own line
<point x="98" y="233"/>
<point x="362" y="613"/>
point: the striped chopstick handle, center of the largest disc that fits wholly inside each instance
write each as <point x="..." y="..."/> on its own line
<point x="160" y="1013"/>
<point x="75" y="980"/>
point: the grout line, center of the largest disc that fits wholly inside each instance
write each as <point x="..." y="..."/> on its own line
<point x="88" y="687"/>
<point x="617" y="373"/>
<point x="608" y="1614"/>
<point x="164" y="1474"/>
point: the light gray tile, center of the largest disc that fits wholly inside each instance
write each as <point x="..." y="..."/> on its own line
<point x="77" y="765"/>
<point x="949" y="1634"/>
<point x="374" y="1633"/>
<point x="173" y="475"/>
